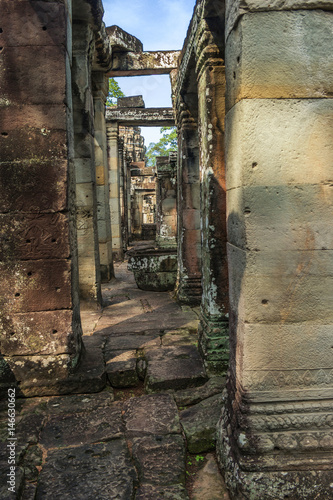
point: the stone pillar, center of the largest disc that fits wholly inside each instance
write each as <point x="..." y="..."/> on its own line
<point x="188" y="286"/>
<point x="129" y="200"/>
<point x="86" y="201"/>
<point x="213" y="329"/>
<point x="40" y="331"/>
<point x="166" y="201"/>
<point x="122" y="194"/>
<point x="114" y="179"/>
<point x="100" y="89"/>
<point x="275" y="438"/>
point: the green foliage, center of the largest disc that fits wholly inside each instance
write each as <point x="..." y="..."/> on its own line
<point x="167" y="143"/>
<point x="114" y="92"/>
<point x="199" y="458"/>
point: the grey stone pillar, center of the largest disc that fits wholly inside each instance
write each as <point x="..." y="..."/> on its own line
<point x="166" y="201"/>
<point x="84" y="161"/>
<point x="275" y="437"/>
<point x="213" y="329"/>
<point x="100" y="90"/>
<point x="114" y="180"/>
<point x="188" y="285"/>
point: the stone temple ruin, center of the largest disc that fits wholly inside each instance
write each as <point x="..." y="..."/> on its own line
<point x="245" y="210"/>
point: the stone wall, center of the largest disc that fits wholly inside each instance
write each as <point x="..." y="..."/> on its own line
<point x="275" y="438"/>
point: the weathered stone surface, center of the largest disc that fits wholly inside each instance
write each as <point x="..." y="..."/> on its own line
<point x="64" y="431"/>
<point x="121" y="369"/>
<point x="199" y="424"/>
<point x="152" y="414"/>
<point x="98" y="471"/>
<point x="47" y="332"/>
<point x="29" y="287"/>
<point x="130" y="342"/>
<point x="33" y="186"/>
<point x="174" y="368"/>
<point x="144" y="63"/>
<point x="272" y="70"/>
<point x="19" y="481"/>
<point x="208" y="483"/>
<point x="135" y="101"/>
<point x="79" y="403"/>
<point x="121" y="40"/>
<point x="192" y="396"/>
<point x="160" y="460"/>
<point x="236" y="9"/>
<point x="180" y="337"/>
<point x="150" y="492"/>
<point x="29" y="492"/>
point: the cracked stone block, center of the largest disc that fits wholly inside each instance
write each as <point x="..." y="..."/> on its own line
<point x="160" y="460"/>
<point x="208" y="483"/>
<point x="199" y="424"/>
<point x="174" y="368"/>
<point x="151" y="415"/>
<point x="194" y="395"/>
<point x="100" y="471"/>
<point x="151" y="492"/>
<point x="101" y="424"/>
<point x="121" y="368"/>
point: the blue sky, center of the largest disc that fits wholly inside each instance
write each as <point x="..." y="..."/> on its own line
<point x="160" y="25"/>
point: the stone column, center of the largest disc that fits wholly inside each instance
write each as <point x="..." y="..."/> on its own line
<point x="114" y="179"/>
<point x="129" y="200"/>
<point x="100" y="89"/>
<point x="188" y="286"/>
<point x="213" y="329"/>
<point x="40" y="331"/>
<point x="166" y="202"/>
<point x="276" y="438"/>
<point x="86" y="201"/>
<point x="122" y="194"/>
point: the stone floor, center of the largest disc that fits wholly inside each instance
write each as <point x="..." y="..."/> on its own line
<point x="144" y="428"/>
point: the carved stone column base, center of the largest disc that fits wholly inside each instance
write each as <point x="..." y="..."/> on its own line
<point x="189" y="290"/>
<point x="276" y="450"/>
<point x="214" y="342"/>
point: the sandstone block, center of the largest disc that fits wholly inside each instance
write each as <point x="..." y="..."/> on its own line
<point x="295" y="146"/>
<point x="34" y="23"/>
<point x="46" y="332"/>
<point x="34" y="186"/>
<point x="79" y="473"/>
<point x="263" y="64"/>
<point x="37" y="285"/>
<point x="160" y="459"/>
<point x="152" y="414"/>
<point x="151" y="492"/>
<point x="121" y="369"/>
<point x="25" y="82"/>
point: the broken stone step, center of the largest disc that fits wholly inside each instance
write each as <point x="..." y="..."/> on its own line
<point x="121" y="368"/>
<point x="194" y="395"/>
<point x="199" y="424"/>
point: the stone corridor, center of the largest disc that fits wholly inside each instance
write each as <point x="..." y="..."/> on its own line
<point x="139" y="436"/>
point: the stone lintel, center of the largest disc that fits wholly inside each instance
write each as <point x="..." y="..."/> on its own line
<point x="144" y="63"/>
<point x="142" y="117"/>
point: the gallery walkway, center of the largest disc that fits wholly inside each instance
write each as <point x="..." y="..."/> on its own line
<point x="145" y="432"/>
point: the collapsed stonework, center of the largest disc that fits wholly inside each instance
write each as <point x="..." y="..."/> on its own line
<point x="246" y="209"/>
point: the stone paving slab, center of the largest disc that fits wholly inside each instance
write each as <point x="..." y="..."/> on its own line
<point x="196" y="394"/>
<point x="160" y="460"/>
<point x="199" y="424"/>
<point x="151" y="492"/>
<point x="102" y="424"/>
<point x="209" y="484"/>
<point x="151" y="414"/>
<point x="121" y="368"/>
<point x="174" y="368"/>
<point x="91" y="472"/>
<point x="130" y="342"/>
<point x="79" y="403"/>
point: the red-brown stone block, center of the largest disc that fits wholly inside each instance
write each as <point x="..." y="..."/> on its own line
<point x="34" y="236"/>
<point x="33" y="186"/>
<point x="40" y="285"/>
<point x="47" y="332"/>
